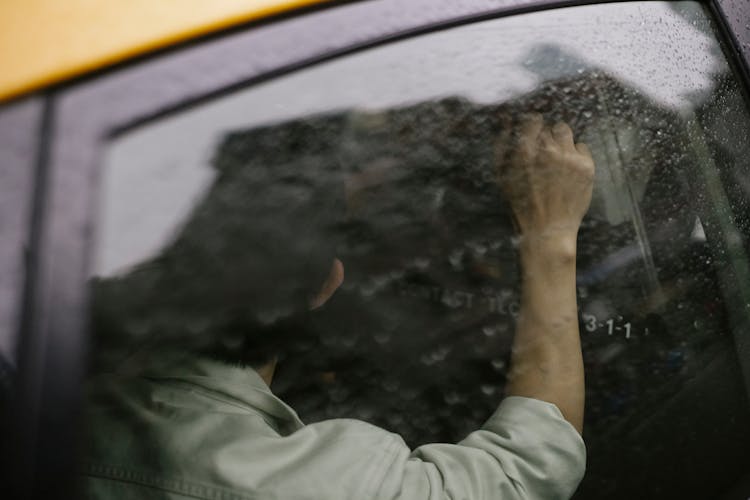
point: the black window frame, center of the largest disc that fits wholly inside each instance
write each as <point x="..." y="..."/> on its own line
<point x="71" y="124"/>
<point x="21" y="132"/>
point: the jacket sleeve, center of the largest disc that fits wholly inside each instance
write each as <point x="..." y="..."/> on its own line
<point x="526" y="450"/>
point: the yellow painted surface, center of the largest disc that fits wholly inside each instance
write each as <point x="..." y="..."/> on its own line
<point x="47" y="41"/>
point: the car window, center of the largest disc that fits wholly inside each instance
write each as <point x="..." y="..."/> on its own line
<point x="211" y="218"/>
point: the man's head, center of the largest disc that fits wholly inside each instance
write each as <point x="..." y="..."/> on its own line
<point x="256" y="254"/>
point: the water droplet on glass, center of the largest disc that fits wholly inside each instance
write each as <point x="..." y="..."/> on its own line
<point x="421" y="263"/>
<point x="454" y="398"/>
<point x="382" y="338"/>
<point x="498" y="364"/>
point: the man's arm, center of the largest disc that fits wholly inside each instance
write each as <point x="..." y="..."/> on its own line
<point x="548" y="181"/>
<point x="528" y="448"/>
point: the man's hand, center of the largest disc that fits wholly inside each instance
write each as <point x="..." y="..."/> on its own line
<point x="547" y="179"/>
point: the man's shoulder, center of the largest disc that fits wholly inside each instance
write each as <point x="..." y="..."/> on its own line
<point x="187" y="451"/>
<point x="153" y="431"/>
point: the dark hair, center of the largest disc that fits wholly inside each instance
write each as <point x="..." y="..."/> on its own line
<point x="252" y="253"/>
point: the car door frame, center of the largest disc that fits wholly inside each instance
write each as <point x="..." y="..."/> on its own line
<point x="68" y="128"/>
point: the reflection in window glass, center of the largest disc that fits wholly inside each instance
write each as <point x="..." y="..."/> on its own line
<point x="223" y="218"/>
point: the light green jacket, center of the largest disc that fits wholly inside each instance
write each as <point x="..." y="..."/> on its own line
<point x="202" y="429"/>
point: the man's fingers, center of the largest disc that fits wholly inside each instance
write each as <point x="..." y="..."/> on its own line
<point x="563" y="135"/>
<point x="531" y="126"/>
<point x="583" y="149"/>
<point x="546" y="138"/>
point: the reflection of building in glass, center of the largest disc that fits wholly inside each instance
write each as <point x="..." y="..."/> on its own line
<point x="421" y="328"/>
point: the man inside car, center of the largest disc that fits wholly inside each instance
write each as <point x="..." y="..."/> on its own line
<point x="195" y="417"/>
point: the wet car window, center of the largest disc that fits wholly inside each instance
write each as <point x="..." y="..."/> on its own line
<point x="392" y="150"/>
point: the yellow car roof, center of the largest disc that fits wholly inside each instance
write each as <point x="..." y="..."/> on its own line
<point x="43" y="42"/>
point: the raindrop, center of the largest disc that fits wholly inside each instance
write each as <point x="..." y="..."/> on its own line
<point x="382" y="338"/>
<point x="409" y="394"/>
<point x="487" y="389"/>
<point x="426" y="360"/>
<point x="477" y="248"/>
<point x="454" y="398"/>
<point x="498" y="364"/>
<point x="421" y="263"/>
<point x="455" y="259"/>
<point x="395" y="419"/>
<point x="391" y="385"/>
<point x="440" y="354"/>
<point x="367" y="290"/>
<point x="380" y="281"/>
<point x="339" y="394"/>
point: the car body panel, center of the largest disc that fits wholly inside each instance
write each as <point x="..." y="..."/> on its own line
<point x="47" y="41"/>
